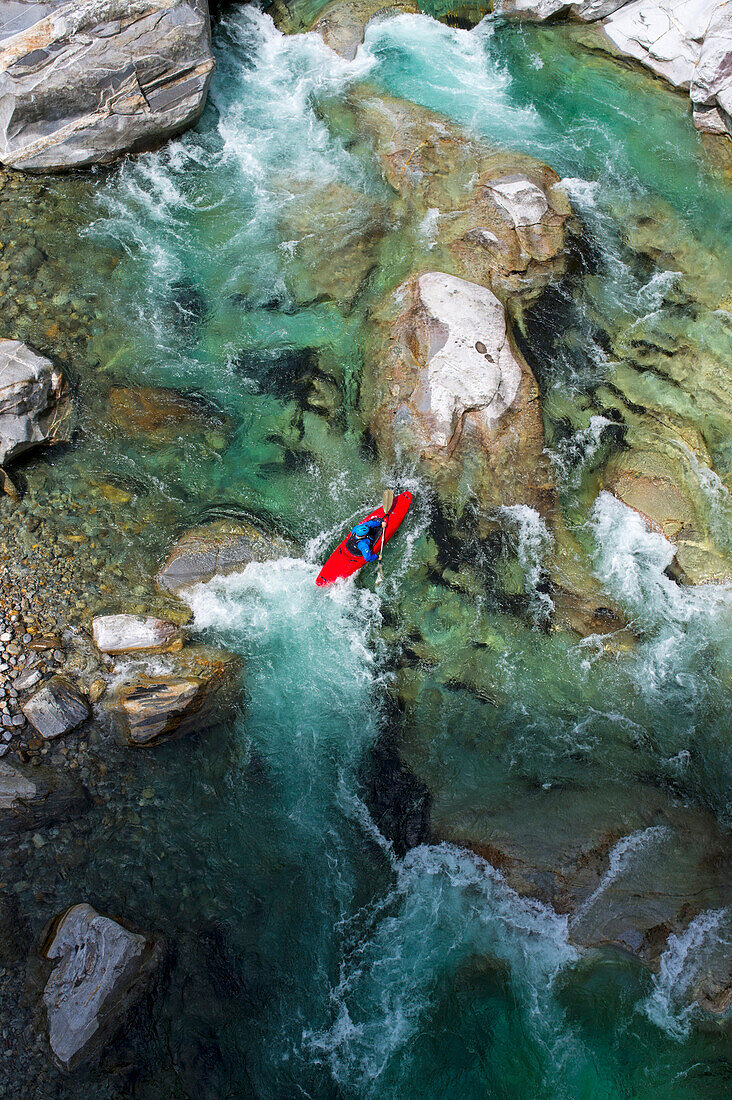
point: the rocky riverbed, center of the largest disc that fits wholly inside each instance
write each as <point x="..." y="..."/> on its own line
<point x="261" y="839"/>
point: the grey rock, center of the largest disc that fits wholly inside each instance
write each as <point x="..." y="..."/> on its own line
<point x="135" y="633"/>
<point x="101" y="972"/>
<point x="218" y="549"/>
<point x="31" y="798"/>
<point x="190" y="696"/>
<point x="57" y="708"/>
<point x="34" y="403"/>
<point x="85" y="82"/>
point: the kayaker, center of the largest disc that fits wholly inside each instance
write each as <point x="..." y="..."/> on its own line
<point x="363" y="536"/>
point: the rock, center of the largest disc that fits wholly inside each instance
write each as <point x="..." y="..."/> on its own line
<point x="451" y="392"/>
<point x="14" y="935"/>
<point x="130" y="633"/>
<point x="85" y="83"/>
<point x="397" y="800"/>
<point x="191" y="695"/>
<point x="711" y="83"/>
<point x="57" y="708"/>
<point x="161" y="415"/>
<point x="342" y="25"/>
<point x="487" y="216"/>
<point x="101" y="972"/>
<point x="690" y="45"/>
<point x="34" y="404"/>
<point x="218" y="549"/>
<point x="32" y="798"/>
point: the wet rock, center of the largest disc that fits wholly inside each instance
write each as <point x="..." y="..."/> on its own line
<point x="14" y="935"/>
<point x="34" y="404"/>
<point x="35" y="797"/>
<point x="487" y="216"/>
<point x="161" y="415"/>
<point x="131" y="633"/>
<point x="342" y="25"/>
<point x="101" y="972"/>
<point x="84" y="84"/>
<point x="398" y="801"/>
<point x="192" y="694"/>
<point x="216" y="550"/>
<point x="57" y="708"/>
<point x="627" y="873"/>
<point x="451" y="391"/>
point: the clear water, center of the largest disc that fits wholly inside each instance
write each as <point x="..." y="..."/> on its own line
<point x="312" y="960"/>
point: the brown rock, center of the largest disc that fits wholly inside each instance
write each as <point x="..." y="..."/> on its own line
<point x="190" y="697"/>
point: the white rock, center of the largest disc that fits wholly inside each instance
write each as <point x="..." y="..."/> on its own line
<point x="458" y="378"/>
<point x="101" y="971"/>
<point x="130" y="633"/>
<point x="33" y="402"/>
<point x="524" y="202"/>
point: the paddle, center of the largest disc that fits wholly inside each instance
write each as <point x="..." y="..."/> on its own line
<point x="386" y="502"/>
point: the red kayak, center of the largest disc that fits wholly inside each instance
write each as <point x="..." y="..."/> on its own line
<point x="344" y="562"/>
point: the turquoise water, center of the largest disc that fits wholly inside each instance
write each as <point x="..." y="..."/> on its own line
<point x="314" y="959"/>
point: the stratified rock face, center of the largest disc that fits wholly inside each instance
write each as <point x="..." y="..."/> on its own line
<point x="134" y="633"/>
<point x="57" y="708"/>
<point x="218" y="549"/>
<point x="453" y="394"/>
<point x="189" y="696"/>
<point x="689" y="44"/>
<point x="33" y="401"/>
<point x="101" y="972"/>
<point x="31" y="798"/>
<point x="86" y="82"/>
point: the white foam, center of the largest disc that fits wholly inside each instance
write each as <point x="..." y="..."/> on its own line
<point x="534" y="542"/>
<point x="687" y="956"/>
<point x="446" y="906"/>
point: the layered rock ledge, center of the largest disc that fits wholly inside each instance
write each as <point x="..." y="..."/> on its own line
<point x="85" y="83"/>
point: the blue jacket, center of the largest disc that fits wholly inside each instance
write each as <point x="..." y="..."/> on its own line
<point x="361" y="532"/>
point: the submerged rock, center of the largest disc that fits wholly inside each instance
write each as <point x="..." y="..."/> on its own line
<point x="83" y="84"/>
<point x="57" y="708"/>
<point x="690" y="45"/>
<point x="160" y="414"/>
<point x="34" y="403"/>
<point x="488" y="216"/>
<point x="218" y="549"/>
<point x="133" y="633"/>
<point x="452" y="393"/>
<point x="32" y="798"/>
<point x="190" y="694"/>
<point x="101" y="972"/>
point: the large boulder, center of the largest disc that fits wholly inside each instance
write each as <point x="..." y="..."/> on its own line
<point x="101" y="972"/>
<point x="85" y="83"/>
<point x="31" y="798"/>
<point x="191" y="693"/>
<point x="135" y="634"/>
<point x="688" y="44"/>
<point x="34" y="403"/>
<point x="488" y="216"/>
<point x="217" y="549"/>
<point x="451" y="393"/>
<point x="57" y="708"/>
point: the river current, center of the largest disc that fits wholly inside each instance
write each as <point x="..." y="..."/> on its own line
<point x="315" y="957"/>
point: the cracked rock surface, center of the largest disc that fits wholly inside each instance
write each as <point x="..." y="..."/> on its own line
<point x="85" y="83"/>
